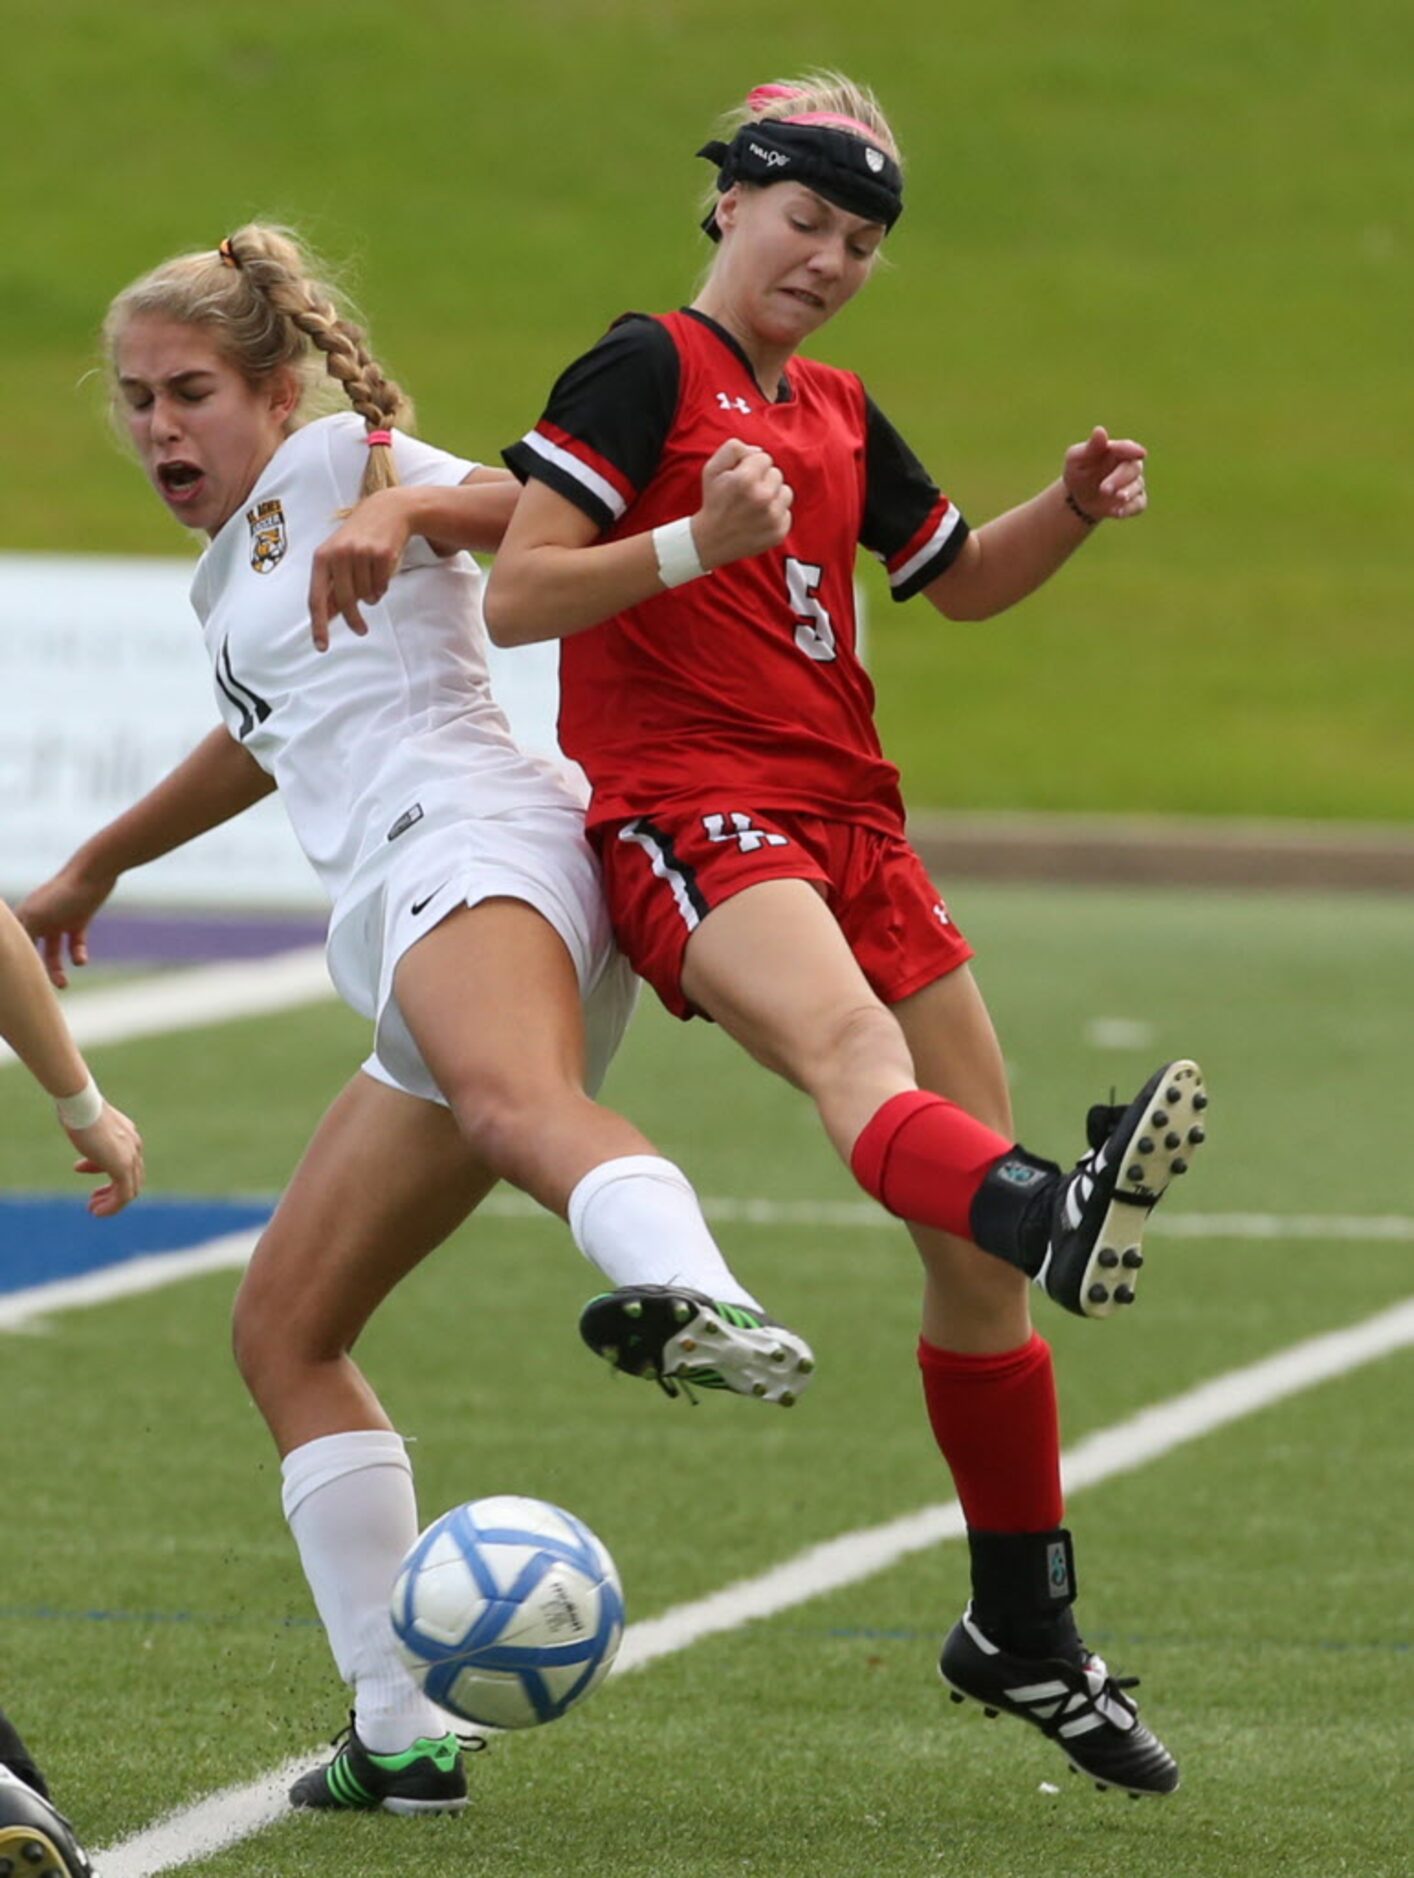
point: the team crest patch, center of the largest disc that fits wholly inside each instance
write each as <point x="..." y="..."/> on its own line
<point x="267" y="535"/>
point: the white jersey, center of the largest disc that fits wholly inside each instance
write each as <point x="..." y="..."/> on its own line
<point x="379" y="736"/>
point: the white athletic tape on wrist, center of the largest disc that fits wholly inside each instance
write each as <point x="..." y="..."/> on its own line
<point x="81" y="1110"/>
<point x="677" y="553"/>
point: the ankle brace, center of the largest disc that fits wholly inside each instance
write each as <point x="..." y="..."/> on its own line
<point x="1023" y="1585"/>
<point x="1010" y="1216"/>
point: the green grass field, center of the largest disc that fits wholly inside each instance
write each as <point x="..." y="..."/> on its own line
<point x="1190" y="223"/>
<point x="157" y="1638"/>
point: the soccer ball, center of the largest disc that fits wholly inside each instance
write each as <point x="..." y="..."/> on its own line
<point x="508" y="1611"/>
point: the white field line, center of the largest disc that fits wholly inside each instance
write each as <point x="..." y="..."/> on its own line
<point x="234" y="1814"/>
<point x="232" y="1250"/>
<point x="194" y="997"/>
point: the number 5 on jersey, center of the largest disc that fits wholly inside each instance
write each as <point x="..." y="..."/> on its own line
<point x="815" y="632"/>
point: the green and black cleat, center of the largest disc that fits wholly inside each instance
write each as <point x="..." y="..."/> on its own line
<point x="684" y="1340"/>
<point x="428" y="1777"/>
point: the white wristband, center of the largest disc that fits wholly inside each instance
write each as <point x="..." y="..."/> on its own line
<point x="81" y="1110"/>
<point x="677" y="553"/>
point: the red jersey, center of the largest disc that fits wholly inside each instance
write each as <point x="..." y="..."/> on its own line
<point x="745" y="683"/>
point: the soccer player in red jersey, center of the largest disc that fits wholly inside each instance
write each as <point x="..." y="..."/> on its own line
<point x="696" y="493"/>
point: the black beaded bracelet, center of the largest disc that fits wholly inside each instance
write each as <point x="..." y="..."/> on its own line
<point x="1090" y="521"/>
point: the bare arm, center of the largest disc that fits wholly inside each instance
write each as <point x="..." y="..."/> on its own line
<point x="33" y="1026"/>
<point x="218" y="780"/>
<point x="356" y="563"/>
<point x="553" y="577"/>
<point x="1011" y="556"/>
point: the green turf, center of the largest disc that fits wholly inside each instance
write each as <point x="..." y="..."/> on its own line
<point x="1191" y="224"/>
<point x="157" y="1638"/>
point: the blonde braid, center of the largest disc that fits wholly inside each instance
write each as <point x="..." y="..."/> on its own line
<point x="274" y="265"/>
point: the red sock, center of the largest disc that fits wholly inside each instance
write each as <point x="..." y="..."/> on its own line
<point x="995" y="1420"/>
<point x="923" y="1158"/>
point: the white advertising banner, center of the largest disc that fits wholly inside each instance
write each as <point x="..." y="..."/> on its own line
<point x="104" y="685"/>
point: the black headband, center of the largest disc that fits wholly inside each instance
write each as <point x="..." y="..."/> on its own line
<point x="837" y="164"/>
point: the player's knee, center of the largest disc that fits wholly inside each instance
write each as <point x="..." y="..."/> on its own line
<point x="273" y="1334"/>
<point x="852" y="1045"/>
<point x="501" y="1120"/>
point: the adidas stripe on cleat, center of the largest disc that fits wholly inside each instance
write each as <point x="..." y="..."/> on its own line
<point x="684" y="1340"/>
<point x="1080" y="1706"/>
<point x="428" y="1777"/>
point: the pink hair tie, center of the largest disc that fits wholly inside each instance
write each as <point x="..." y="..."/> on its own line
<point x="768" y="94"/>
<point x="385" y="437"/>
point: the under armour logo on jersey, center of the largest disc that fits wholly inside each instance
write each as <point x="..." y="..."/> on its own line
<point x="747" y="838"/>
<point x="942" y="915"/>
<point x="733" y="404"/>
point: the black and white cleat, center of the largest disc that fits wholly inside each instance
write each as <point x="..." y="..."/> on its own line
<point x="1094" y="1252"/>
<point x="1080" y="1706"/>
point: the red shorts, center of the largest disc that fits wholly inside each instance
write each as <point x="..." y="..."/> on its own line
<point x="663" y="875"/>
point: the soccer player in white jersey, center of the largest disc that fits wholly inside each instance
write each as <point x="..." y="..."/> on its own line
<point x="468" y="923"/>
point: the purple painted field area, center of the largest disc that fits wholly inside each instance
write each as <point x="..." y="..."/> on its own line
<point x="169" y="938"/>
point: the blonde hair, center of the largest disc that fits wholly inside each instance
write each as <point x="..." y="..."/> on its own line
<point x="260" y="295"/>
<point x="828" y="92"/>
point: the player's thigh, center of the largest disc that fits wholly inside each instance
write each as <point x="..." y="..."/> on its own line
<point x="771" y="966"/>
<point x="386" y="1178"/>
<point x="492" y="1000"/>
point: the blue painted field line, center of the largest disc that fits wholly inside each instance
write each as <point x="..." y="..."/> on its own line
<point x="47" y="1237"/>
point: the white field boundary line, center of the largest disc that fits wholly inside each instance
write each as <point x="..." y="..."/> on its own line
<point x="227" y="1817"/>
<point x="194" y="997"/>
<point x="232" y="1251"/>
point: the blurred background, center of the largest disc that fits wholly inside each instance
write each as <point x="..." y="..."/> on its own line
<point x="1191" y="223"/>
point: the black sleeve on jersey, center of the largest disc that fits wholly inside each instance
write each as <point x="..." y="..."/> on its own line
<point x="619" y="401"/>
<point x="899" y="498"/>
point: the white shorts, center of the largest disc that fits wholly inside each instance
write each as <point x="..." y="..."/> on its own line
<point x="538" y="855"/>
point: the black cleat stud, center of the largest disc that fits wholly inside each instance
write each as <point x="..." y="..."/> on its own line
<point x="990" y="1713"/>
<point x="1196" y="1137"/>
<point x="1133" y="1258"/>
<point x="1109" y="1258"/>
<point x="1178" y="1165"/>
<point x="953" y="1696"/>
<point x="1144" y="1145"/>
<point x="1200" y="1101"/>
<point x="1124" y="1294"/>
<point x="1159" y="1119"/>
<point x="1097" y="1294"/>
<point x="1135" y="1796"/>
<point x="1101" y="1787"/>
<point x="1173" y="1139"/>
<point x="1172" y="1093"/>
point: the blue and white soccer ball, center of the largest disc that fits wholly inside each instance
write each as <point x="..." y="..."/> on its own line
<point x="508" y="1611"/>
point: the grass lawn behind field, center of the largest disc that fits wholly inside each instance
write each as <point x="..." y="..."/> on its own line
<point x="1190" y="224"/>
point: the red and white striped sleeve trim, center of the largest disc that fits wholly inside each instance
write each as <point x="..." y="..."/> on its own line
<point x="575" y="459"/>
<point x="915" y="554"/>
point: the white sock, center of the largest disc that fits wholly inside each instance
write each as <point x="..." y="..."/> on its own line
<point x="350" y="1503"/>
<point x="638" y="1219"/>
